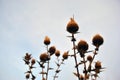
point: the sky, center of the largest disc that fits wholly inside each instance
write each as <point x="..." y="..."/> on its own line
<point x="25" y="23"/>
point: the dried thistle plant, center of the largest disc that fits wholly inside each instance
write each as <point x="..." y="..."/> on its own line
<point x="82" y="57"/>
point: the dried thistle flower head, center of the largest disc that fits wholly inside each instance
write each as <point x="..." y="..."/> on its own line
<point x="89" y="58"/>
<point x="81" y="77"/>
<point x="44" y="57"/>
<point x="82" y="46"/>
<point x="47" y="40"/>
<point x="33" y="61"/>
<point x="27" y="76"/>
<point x="52" y="50"/>
<point x="87" y="76"/>
<point x="57" y="53"/>
<point x="72" y="26"/>
<point x="97" y="40"/>
<point x="27" y="56"/>
<point x="98" y="65"/>
<point x="65" y="55"/>
<point x="43" y="78"/>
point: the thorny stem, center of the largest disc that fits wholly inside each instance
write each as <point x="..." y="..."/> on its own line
<point x="85" y="70"/>
<point x="30" y="69"/>
<point x="58" y="68"/>
<point x="42" y="74"/>
<point x="73" y="40"/>
<point x="47" y="65"/>
<point x="89" y="67"/>
<point x="95" y="77"/>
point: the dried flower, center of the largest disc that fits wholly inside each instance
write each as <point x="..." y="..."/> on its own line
<point x="72" y="26"/>
<point x="57" y="53"/>
<point x="43" y="78"/>
<point x="97" y="40"/>
<point x="65" y="55"/>
<point x="27" y="56"/>
<point x="98" y="65"/>
<point x="27" y="76"/>
<point x="52" y="50"/>
<point x="82" y="46"/>
<point x="47" y="40"/>
<point x="81" y="77"/>
<point x="44" y="57"/>
<point x="89" y="58"/>
<point x="32" y="61"/>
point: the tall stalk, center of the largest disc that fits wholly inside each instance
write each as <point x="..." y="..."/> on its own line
<point x="73" y="40"/>
<point x="47" y="65"/>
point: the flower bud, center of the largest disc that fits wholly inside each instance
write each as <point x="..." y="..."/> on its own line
<point x="97" y="40"/>
<point x="27" y="76"/>
<point x="47" y="40"/>
<point x="33" y="61"/>
<point x="44" y="57"/>
<point x="65" y="55"/>
<point x="98" y="65"/>
<point x="57" y="53"/>
<point x="52" y="50"/>
<point x="82" y="46"/>
<point x="89" y="58"/>
<point x="72" y="26"/>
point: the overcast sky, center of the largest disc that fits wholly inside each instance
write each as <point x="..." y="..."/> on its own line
<point x="25" y="23"/>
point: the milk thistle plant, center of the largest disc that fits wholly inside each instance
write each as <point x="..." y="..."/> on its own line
<point x="82" y="57"/>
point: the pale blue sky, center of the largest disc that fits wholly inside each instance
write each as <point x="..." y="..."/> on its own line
<point x="25" y="23"/>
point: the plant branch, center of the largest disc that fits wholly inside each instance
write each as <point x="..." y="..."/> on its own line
<point x="73" y="40"/>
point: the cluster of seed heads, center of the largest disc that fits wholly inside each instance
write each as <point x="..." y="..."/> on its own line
<point x="29" y="61"/>
<point x="91" y="68"/>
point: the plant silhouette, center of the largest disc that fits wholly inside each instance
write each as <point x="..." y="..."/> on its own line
<point x="81" y="53"/>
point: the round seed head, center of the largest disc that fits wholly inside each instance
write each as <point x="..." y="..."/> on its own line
<point x="57" y="53"/>
<point x="89" y="58"/>
<point x="81" y="77"/>
<point x="44" y="57"/>
<point x="98" y="65"/>
<point x="47" y="40"/>
<point x="82" y="46"/>
<point x="33" y="61"/>
<point x="27" y="76"/>
<point x="72" y="26"/>
<point x="27" y="57"/>
<point x="65" y="55"/>
<point x="52" y="50"/>
<point x="97" y="40"/>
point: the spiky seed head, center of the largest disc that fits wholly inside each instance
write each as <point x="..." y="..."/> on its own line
<point x="65" y="55"/>
<point x="89" y="58"/>
<point x="44" y="57"/>
<point x="57" y="53"/>
<point x="33" y="61"/>
<point x="47" y="40"/>
<point x="27" y="56"/>
<point x="97" y="40"/>
<point x="82" y="46"/>
<point x="98" y="65"/>
<point x="81" y="77"/>
<point x="52" y="50"/>
<point x="72" y="26"/>
<point x="27" y="76"/>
